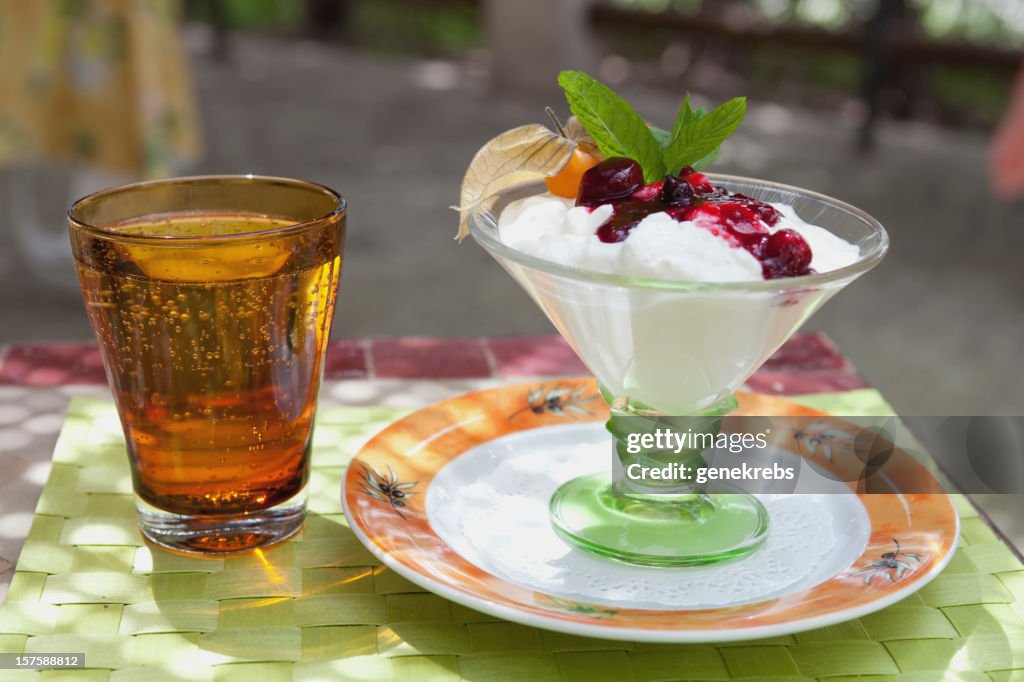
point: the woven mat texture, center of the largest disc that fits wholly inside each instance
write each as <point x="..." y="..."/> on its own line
<point x="321" y="608"/>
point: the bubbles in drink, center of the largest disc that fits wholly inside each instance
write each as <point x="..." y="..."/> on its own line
<point x="214" y="354"/>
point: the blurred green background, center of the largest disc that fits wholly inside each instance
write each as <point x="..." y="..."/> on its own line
<point x="887" y="104"/>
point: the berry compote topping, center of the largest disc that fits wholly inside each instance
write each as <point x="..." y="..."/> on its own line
<point x="743" y="221"/>
<point x="698" y="181"/>
<point x="766" y="212"/>
<point x="738" y="220"/>
<point x="626" y="216"/>
<point x="610" y="181"/>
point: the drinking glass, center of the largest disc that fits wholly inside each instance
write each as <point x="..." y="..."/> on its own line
<point x="211" y="299"/>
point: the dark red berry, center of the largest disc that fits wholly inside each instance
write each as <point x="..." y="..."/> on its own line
<point x="677" y="192"/>
<point x="647" y="192"/>
<point x="611" y="180"/>
<point x="785" y="254"/>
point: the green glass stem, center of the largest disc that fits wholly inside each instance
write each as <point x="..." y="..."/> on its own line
<point x="667" y="522"/>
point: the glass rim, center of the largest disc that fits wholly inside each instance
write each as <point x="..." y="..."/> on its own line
<point x="867" y="259"/>
<point x="340" y="208"/>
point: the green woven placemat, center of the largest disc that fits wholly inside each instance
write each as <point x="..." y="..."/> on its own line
<point x="321" y="608"/>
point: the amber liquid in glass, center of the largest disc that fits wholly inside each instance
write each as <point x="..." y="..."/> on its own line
<point x="214" y="356"/>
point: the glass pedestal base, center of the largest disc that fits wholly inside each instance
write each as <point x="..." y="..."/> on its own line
<point x="657" y="530"/>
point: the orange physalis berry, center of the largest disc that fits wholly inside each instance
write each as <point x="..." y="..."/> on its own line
<point x="567" y="182"/>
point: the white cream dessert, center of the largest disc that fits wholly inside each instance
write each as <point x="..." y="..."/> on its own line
<point x="700" y="249"/>
<point x="675" y="349"/>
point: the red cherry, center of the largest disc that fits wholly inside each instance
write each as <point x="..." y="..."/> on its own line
<point x="785" y="254"/>
<point x="611" y="180"/>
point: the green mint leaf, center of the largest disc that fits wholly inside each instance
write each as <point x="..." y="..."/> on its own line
<point x="687" y="114"/>
<point x="696" y="136"/>
<point x="613" y="124"/>
<point x="663" y="136"/>
<point x="707" y="160"/>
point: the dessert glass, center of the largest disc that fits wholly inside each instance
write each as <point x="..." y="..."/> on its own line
<point x="663" y="348"/>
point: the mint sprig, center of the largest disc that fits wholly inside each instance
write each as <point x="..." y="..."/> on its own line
<point x="618" y="130"/>
<point x="698" y="135"/>
<point x="613" y="124"/>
